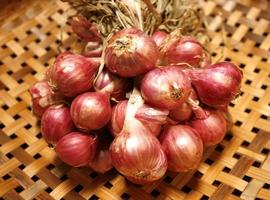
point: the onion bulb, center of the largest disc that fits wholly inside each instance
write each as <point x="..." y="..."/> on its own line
<point x="135" y="152"/>
<point x="159" y="37"/>
<point x="218" y="84"/>
<point x="119" y="115"/>
<point x="181" y="50"/>
<point x="56" y="123"/>
<point x="130" y="52"/>
<point x="91" y="110"/>
<point x="72" y="74"/>
<point x="43" y="97"/>
<point x="85" y="29"/>
<point x="184" y="111"/>
<point x="138" y="155"/>
<point x="212" y="129"/>
<point x="113" y="84"/>
<point x="77" y="149"/>
<point x="183" y="147"/>
<point x="166" y="87"/>
<point x="92" y="49"/>
<point x="102" y="161"/>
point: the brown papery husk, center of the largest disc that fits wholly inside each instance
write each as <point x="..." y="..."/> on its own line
<point x="148" y="15"/>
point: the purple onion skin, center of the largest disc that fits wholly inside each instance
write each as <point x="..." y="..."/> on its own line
<point x="72" y="74"/>
<point x="183" y="147"/>
<point x="56" y="123"/>
<point x="166" y="87"/>
<point x="217" y="84"/>
<point x="211" y="129"/>
<point x="91" y="110"/>
<point x="77" y="149"/>
<point x="130" y="53"/>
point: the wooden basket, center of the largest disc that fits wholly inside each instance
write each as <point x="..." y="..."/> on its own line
<point x="238" y="168"/>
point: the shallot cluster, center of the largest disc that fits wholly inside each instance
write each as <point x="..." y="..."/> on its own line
<point x="142" y="104"/>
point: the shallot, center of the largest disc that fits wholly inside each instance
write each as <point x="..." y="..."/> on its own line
<point x="91" y="110"/>
<point x="166" y="87"/>
<point x="212" y="128"/>
<point x="72" y="74"/>
<point x="217" y="84"/>
<point x="130" y="52"/>
<point x="56" y="123"/>
<point x="77" y="149"/>
<point x="183" y="147"/>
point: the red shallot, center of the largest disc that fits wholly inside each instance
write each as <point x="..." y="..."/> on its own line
<point x="135" y="152"/>
<point x="217" y="84"/>
<point x="56" y="123"/>
<point x="184" y="111"/>
<point x="159" y="37"/>
<point x="212" y="129"/>
<point x="72" y="74"/>
<point x="102" y="161"/>
<point x="166" y="87"/>
<point x="151" y="122"/>
<point x="92" y="49"/>
<point x="130" y="52"/>
<point x="77" y="149"/>
<point x="181" y="50"/>
<point x="183" y="147"/>
<point x="85" y="29"/>
<point x="91" y="110"/>
<point x="113" y="84"/>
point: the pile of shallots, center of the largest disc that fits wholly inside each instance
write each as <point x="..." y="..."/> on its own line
<point x="141" y="104"/>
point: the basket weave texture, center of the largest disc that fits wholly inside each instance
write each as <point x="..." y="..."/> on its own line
<point x="238" y="168"/>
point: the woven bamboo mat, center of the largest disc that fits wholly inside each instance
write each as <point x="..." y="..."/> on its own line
<point x="238" y="168"/>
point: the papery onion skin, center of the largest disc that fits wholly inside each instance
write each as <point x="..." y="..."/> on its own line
<point x="138" y="156"/>
<point x="102" y="162"/>
<point x="56" y="123"/>
<point x="130" y="53"/>
<point x="211" y="129"/>
<point x="92" y="49"/>
<point x="85" y="29"/>
<point x="91" y="110"/>
<point x="77" y="149"/>
<point x="43" y="97"/>
<point x="113" y="84"/>
<point x="218" y="84"/>
<point x="159" y="37"/>
<point x="150" y="114"/>
<point x="228" y="117"/>
<point x="205" y="62"/>
<point x="181" y="50"/>
<point x="166" y="87"/>
<point x="183" y="147"/>
<point x="184" y="111"/>
<point x="118" y="117"/>
<point x="72" y="74"/>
